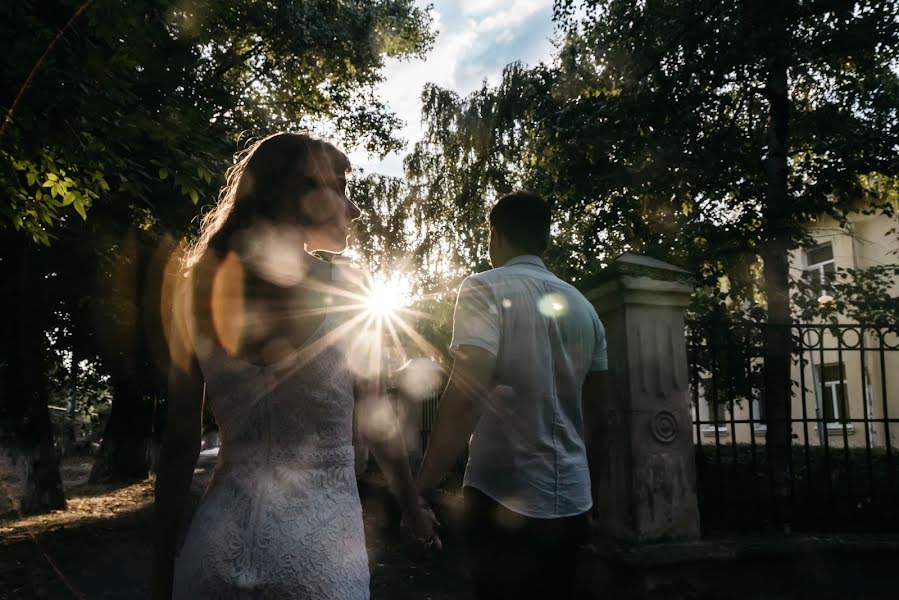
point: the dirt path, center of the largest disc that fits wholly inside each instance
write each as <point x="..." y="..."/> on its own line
<point x="102" y="546"/>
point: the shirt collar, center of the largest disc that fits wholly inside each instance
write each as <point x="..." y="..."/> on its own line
<point x="526" y="259"/>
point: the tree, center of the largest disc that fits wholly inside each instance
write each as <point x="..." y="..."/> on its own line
<point x="401" y="235"/>
<point x="707" y="132"/>
<point x="135" y="110"/>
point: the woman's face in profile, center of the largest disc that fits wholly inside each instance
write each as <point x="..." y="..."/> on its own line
<point x="326" y="211"/>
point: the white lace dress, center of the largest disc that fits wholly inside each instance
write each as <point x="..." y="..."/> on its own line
<point x="281" y="517"/>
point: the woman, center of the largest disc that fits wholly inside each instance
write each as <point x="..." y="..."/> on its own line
<point x="268" y="331"/>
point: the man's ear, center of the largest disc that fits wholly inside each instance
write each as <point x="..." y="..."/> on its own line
<point x="496" y="237"/>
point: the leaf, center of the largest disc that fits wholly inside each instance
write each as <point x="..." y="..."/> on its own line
<point x="79" y="208"/>
<point x="31" y="178"/>
<point x="69" y="198"/>
<point x="194" y="196"/>
<point x="163" y="173"/>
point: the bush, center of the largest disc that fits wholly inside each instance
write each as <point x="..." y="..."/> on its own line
<point x="832" y="490"/>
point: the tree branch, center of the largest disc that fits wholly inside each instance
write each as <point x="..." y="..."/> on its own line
<point x="38" y="65"/>
<point x="658" y="61"/>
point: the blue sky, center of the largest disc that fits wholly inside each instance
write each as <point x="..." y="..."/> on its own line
<point x="476" y="39"/>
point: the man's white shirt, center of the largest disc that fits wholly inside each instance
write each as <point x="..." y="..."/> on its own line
<point x="527" y="451"/>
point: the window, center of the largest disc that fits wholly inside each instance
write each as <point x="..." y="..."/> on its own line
<point x="717" y="416"/>
<point x="820" y="269"/>
<point x="832" y="379"/>
<point x="758" y="411"/>
<point x="712" y="414"/>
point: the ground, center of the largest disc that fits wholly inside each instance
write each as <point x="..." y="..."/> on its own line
<point x="101" y="546"/>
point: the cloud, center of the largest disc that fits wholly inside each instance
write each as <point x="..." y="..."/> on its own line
<point x="515" y="14"/>
<point x="492" y="8"/>
<point x="477" y="39"/>
<point x="478" y="7"/>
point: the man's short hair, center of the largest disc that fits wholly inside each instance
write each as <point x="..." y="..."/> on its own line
<point x="523" y="218"/>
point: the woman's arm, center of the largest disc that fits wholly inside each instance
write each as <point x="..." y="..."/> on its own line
<point x="177" y="459"/>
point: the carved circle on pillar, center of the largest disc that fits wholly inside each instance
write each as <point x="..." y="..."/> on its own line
<point x="664" y="426"/>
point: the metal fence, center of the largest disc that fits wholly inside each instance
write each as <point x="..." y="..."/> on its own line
<point x="428" y="415"/>
<point x="844" y="426"/>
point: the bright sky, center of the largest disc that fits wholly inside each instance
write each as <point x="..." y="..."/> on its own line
<point x="476" y="39"/>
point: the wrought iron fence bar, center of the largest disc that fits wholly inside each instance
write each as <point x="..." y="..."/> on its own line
<point x="694" y="383"/>
<point x="694" y="375"/>
<point x="843" y="402"/>
<point x="886" y="420"/>
<point x="812" y="497"/>
<point x="823" y="434"/>
<point x="864" y="396"/>
<point x="755" y="467"/>
<point x="788" y="394"/>
<point x="712" y="403"/>
<point x="732" y="406"/>
<point x="772" y="493"/>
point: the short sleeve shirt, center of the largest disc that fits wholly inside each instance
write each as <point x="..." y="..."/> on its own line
<point x="527" y="451"/>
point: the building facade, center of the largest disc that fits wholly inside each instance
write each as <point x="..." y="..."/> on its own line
<point x="845" y="378"/>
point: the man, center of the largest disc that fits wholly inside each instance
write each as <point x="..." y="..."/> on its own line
<point x="528" y="347"/>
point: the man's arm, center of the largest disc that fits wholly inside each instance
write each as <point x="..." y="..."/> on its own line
<point x="596" y="389"/>
<point x="457" y="415"/>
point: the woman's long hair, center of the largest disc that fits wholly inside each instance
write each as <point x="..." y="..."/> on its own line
<point x="266" y="182"/>
<point x="265" y="185"/>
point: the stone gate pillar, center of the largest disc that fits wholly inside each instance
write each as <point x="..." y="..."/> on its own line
<point x="646" y="476"/>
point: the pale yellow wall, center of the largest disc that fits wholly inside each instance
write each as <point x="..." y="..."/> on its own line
<point x="872" y="394"/>
<point x="864" y="244"/>
<point x="874" y="245"/>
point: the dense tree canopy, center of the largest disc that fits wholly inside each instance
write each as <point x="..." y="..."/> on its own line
<point x="119" y="119"/>
<point x="149" y="98"/>
<point x="650" y="131"/>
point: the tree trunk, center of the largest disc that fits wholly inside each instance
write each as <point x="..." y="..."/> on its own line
<point x="43" y="484"/>
<point x="68" y="434"/>
<point x="25" y="416"/>
<point x="776" y="269"/>
<point x="123" y="454"/>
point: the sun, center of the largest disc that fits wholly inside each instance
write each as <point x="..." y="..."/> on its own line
<point x="386" y="296"/>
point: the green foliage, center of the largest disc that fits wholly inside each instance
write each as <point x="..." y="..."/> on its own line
<point x="649" y="133"/>
<point x="399" y="233"/>
<point x="42" y="187"/>
<point x="123" y="134"/>
<point x="93" y="398"/>
<point x="144" y="101"/>
<point x="859" y="295"/>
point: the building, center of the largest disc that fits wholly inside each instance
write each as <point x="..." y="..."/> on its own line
<point x="845" y="378"/>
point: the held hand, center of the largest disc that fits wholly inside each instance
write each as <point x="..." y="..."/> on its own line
<point x="420" y="525"/>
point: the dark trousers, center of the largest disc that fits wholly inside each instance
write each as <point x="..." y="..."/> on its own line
<point x="514" y="556"/>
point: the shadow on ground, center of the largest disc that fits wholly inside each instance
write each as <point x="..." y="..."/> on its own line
<point x="103" y="548"/>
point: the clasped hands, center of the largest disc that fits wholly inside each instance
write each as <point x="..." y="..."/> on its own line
<point x="419" y="525"/>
